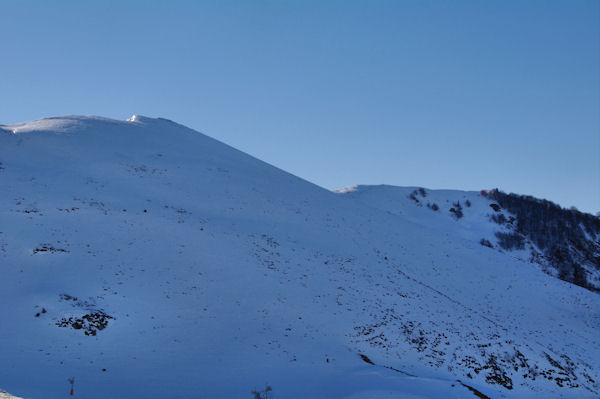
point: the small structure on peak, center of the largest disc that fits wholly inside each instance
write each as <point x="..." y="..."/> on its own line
<point x="262" y="394"/>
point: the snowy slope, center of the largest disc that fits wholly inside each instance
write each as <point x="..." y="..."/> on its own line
<point x="436" y="210"/>
<point x="564" y="243"/>
<point x="199" y="271"/>
<point x="6" y="395"/>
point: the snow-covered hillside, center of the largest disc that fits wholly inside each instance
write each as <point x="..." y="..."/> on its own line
<point x="145" y="259"/>
<point x="565" y="243"/>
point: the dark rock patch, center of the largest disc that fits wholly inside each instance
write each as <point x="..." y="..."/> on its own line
<point x="48" y="248"/>
<point x="90" y="323"/>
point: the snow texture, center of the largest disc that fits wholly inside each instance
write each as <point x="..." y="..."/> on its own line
<point x="146" y="259"/>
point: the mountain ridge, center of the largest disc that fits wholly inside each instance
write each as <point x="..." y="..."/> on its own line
<point x="565" y="242"/>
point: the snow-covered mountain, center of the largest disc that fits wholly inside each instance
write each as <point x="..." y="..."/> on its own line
<point x="564" y="242"/>
<point x="146" y="259"/>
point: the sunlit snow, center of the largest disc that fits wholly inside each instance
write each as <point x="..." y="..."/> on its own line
<point x="145" y="259"/>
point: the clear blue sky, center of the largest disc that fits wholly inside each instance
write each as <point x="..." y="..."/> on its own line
<point x="441" y="94"/>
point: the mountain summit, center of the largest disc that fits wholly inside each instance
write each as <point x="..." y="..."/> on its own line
<point x="145" y="259"/>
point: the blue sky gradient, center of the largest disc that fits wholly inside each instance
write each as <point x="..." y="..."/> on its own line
<point x="464" y="95"/>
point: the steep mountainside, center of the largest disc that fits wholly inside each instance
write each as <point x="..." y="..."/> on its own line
<point x="565" y="242"/>
<point x="144" y="259"/>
